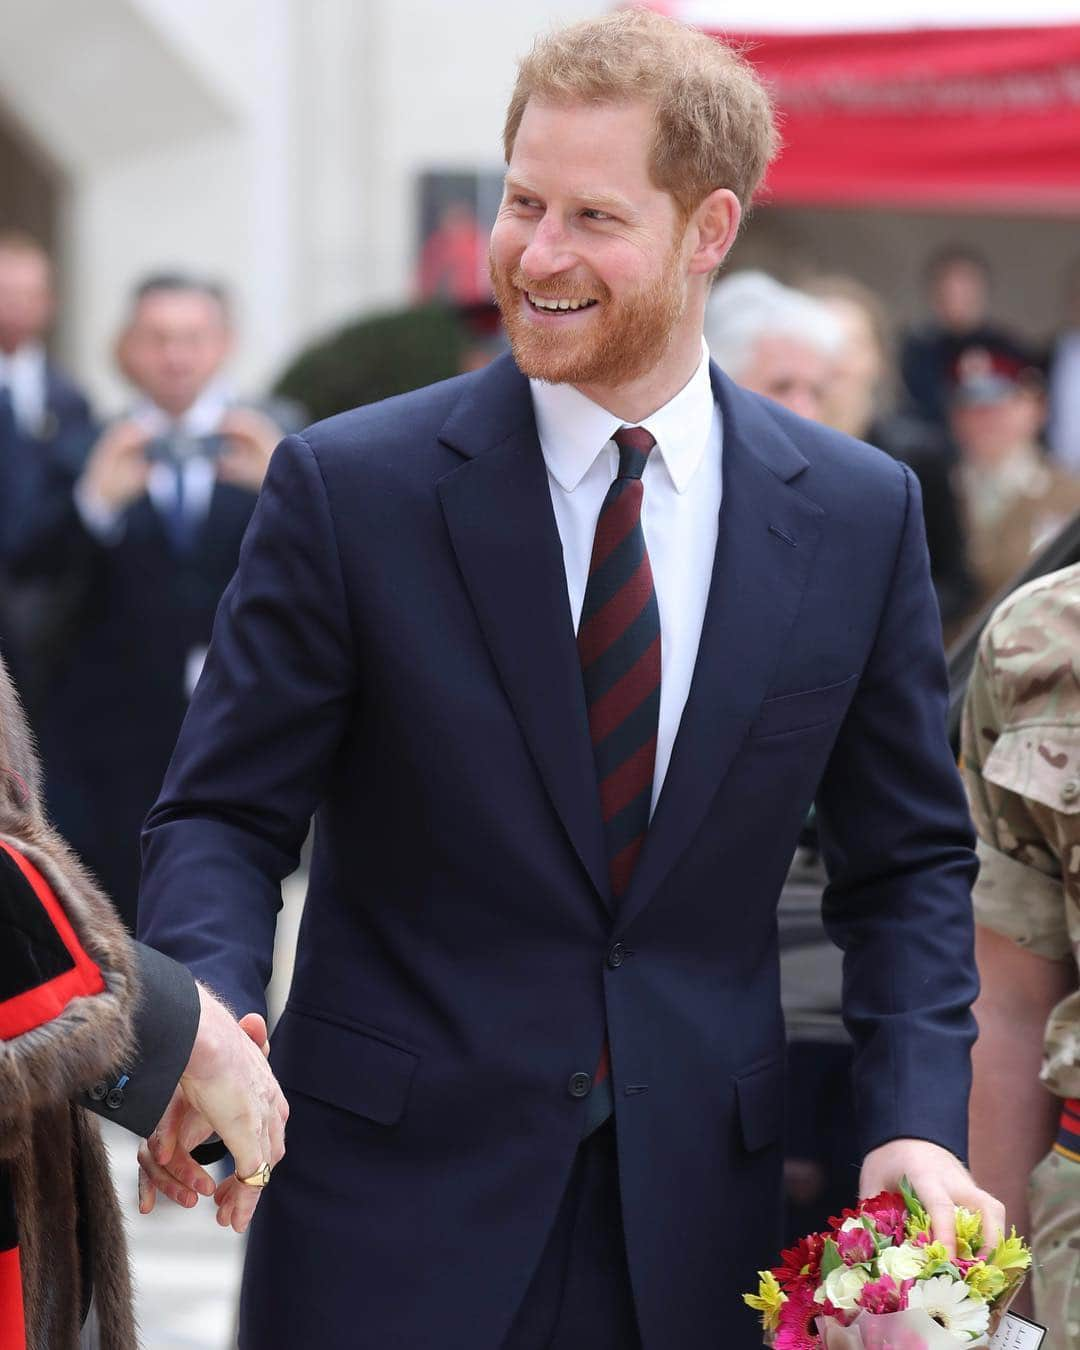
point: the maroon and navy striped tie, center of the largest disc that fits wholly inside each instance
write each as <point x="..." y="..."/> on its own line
<point x="619" y="646"/>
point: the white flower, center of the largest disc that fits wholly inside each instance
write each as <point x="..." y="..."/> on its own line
<point x="949" y="1302"/>
<point x="842" y="1287"/>
<point x="903" y="1262"/>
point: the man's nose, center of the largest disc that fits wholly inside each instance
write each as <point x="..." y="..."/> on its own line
<point x="548" y="251"/>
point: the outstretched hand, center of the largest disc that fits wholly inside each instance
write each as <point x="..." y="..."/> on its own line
<point x="227" y="1089"/>
<point x="940" y="1180"/>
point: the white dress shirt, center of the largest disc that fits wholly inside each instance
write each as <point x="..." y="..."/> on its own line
<point x="23" y="374"/>
<point x="679" y="516"/>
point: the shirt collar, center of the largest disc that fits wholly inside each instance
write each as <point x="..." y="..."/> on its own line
<point x="202" y="419"/>
<point x="26" y="363"/>
<point x="573" y="429"/>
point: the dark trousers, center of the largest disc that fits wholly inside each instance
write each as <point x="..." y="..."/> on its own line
<point x="580" y="1296"/>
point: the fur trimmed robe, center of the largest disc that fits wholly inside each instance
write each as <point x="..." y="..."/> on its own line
<point x="67" y="990"/>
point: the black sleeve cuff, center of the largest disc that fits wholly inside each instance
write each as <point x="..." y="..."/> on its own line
<point x="166" y="1020"/>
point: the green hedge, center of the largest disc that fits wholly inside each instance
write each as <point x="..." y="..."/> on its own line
<point x="375" y="357"/>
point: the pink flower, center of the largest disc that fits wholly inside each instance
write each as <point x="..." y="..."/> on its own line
<point x="884" y="1295"/>
<point x="796" y="1329"/>
<point x="855" y="1245"/>
<point x="888" y="1212"/>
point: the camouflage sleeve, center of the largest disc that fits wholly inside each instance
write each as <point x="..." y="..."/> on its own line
<point x="1019" y="892"/>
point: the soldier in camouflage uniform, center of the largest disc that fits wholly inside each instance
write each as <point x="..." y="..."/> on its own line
<point x="1021" y="761"/>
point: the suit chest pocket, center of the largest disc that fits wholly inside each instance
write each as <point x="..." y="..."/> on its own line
<point x="803" y="710"/>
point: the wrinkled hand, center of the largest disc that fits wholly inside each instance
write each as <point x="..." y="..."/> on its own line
<point x="941" y="1182"/>
<point x="117" y="468"/>
<point x="228" y="1089"/>
<point x="250" y="440"/>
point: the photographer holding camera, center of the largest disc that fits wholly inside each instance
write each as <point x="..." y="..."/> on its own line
<point x="149" y="533"/>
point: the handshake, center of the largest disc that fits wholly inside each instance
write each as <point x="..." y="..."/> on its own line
<point x="226" y="1089"/>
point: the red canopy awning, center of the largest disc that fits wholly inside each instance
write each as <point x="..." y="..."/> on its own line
<point x="964" y="118"/>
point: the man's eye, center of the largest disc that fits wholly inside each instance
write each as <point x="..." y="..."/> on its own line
<point x="597" y="215"/>
<point x="528" y="202"/>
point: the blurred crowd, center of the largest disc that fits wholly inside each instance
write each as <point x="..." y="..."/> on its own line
<point x="989" y="423"/>
<point x="117" y="538"/>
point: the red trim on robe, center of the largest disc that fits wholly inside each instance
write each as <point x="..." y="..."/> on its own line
<point x="12" y="1316"/>
<point x="35" y="1007"/>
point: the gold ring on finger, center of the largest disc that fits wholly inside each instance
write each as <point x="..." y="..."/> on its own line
<point x="259" y="1178"/>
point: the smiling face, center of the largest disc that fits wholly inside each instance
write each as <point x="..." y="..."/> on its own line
<point x="597" y="272"/>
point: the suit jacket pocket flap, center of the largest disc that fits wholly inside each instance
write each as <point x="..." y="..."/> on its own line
<point x="343" y="1066"/>
<point x="808" y="708"/>
<point x="760" y="1093"/>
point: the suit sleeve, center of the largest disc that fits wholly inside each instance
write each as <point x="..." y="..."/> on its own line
<point x="897" y="843"/>
<point x="135" y="1092"/>
<point x="83" y="1017"/>
<point x="255" y="750"/>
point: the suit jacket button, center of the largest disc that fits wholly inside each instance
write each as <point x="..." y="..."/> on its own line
<point x="616" y="956"/>
<point x="98" y="1092"/>
<point x="115" y="1099"/>
<point x="579" y="1084"/>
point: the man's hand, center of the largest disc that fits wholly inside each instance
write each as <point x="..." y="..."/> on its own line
<point x="228" y="1089"/>
<point x="250" y="441"/>
<point x="117" y="469"/>
<point x="941" y="1182"/>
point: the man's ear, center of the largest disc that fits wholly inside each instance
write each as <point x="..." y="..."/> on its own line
<point x="713" y="228"/>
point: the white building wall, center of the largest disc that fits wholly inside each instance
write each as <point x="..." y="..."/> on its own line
<point x="274" y="144"/>
<point x="385" y="90"/>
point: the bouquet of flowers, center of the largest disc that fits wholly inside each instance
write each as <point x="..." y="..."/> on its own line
<point x="875" y="1281"/>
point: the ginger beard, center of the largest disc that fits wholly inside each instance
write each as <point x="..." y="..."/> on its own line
<point x="621" y="340"/>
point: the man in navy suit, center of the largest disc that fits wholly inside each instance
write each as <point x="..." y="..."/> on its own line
<point x="45" y="421"/>
<point x="559" y="654"/>
<point x="148" y="531"/>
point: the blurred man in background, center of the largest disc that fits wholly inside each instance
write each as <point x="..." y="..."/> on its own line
<point x="44" y="421"/>
<point x="1014" y="498"/>
<point x="773" y="340"/>
<point x="150" y="529"/>
<point x="1021" y="760"/>
<point x="860" y="400"/>
<point x="958" y="288"/>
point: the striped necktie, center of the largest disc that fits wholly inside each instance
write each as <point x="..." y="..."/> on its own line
<point x="619" y="647"/>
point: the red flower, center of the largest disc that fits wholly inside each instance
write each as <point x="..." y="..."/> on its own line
<point x="801" y="1262"/>
<point x="888" y="1212"/>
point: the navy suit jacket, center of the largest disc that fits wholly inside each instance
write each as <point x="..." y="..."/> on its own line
<point x="30" y="468"/>
<point x="396" y="654"/>
<point x="113" y="692"/>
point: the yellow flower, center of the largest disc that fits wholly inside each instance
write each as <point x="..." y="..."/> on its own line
<point x="985" y="1281"/>
<point x="1010" y="1254"/>
<point x="968" y="1233"/>
<point x="768" y="1300"/>
<point x="916" y="1224"/>
<point x="934" y="1252"/>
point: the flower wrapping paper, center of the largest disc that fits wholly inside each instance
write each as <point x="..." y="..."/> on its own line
<point x="911" y="1329"/>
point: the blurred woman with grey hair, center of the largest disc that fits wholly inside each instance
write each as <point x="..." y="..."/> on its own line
<point x="773" y="340"/>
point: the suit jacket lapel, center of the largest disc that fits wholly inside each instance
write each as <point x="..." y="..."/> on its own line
<point x="768" y="532"/>
<point x="498" y="510"/>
